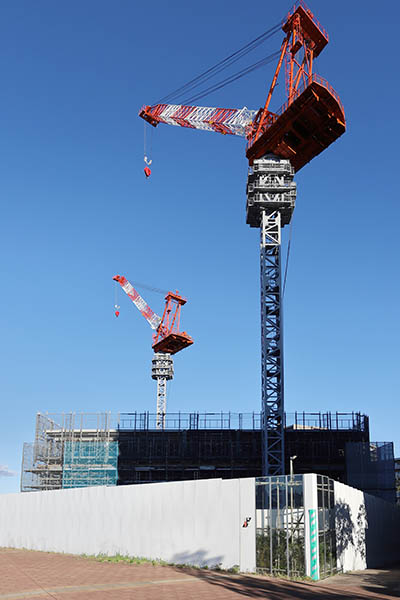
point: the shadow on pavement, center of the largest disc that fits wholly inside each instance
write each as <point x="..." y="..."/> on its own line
<point x="279" y="589"/>
<point x="386" y="583"/>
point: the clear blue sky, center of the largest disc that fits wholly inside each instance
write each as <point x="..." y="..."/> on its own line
<point x="76" y="209"/>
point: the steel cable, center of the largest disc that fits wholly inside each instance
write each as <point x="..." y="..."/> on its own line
<point x="223" y="64"/>
<point x="217" y="86"/>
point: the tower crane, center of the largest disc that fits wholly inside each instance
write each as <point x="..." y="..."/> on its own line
<point x="167" y="339"/>
<point x="279" y="143"/>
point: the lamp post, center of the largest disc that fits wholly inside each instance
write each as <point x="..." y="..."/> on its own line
<point x="292" y="459"/>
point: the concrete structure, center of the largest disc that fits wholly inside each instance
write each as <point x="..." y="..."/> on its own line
<point x="307" y="524"/>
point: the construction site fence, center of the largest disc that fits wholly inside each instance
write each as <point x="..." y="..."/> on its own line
<point x="371" y="467"/>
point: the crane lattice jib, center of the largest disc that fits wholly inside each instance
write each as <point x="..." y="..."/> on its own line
<point x="231" y="121"/>
<point x="151" y="317"/>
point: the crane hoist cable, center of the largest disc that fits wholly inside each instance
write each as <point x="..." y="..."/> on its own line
<point x="287" y="257"/>
<point x="149" y="288"/>
<point x="221" y="84"/>
<point x="147" y="160"/>
<point x="116" y="305"/>
<point x="222" y="64"/>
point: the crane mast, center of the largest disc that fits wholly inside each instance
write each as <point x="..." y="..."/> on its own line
<point x="278" y="145"/>
<point x="271" y="196"/>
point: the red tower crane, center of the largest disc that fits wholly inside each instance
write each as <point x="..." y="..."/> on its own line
<point x="279" y="143"/>
<point x="308" y="122"/>
<point x="167" y="339"/>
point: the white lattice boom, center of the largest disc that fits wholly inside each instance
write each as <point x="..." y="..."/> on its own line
<point x="151" y="317"/>
<point x="232" y="121"/>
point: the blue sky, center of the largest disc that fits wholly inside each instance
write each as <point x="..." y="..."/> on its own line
<point x="76" y="209"/>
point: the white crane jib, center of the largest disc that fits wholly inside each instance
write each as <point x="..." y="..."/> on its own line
<point x="151" y="317"/>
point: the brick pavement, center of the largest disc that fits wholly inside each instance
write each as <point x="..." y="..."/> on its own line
<point x="27" y="574"/>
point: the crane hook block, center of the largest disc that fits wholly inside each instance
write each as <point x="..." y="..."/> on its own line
<point x="147" y="172"/>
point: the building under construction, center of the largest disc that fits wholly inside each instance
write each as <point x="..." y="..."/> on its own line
<point x="80" y="450"/>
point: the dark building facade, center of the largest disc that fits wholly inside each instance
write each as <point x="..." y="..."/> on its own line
<point x="202" y="446"/>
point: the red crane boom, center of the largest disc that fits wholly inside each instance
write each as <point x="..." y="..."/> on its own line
<point x="308" y="122"/>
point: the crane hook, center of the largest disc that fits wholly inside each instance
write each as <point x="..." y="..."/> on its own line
<point x="147" y="170"/>
<point x="116" y="310"/>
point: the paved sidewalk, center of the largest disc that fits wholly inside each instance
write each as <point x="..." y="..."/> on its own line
<point x="27" y="574"/>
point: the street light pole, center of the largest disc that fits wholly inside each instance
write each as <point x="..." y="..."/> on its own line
<point x="292" y="459"/>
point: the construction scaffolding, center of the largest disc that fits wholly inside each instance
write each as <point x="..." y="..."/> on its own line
<point x="89" y="463"/>
<point x="49" y="462"/>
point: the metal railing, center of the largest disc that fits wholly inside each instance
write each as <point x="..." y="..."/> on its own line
<point x="274" y="116"/>
<point x="310" y="14"/>
<point x="354" y="421"/>
<point x="243" y="421"/>
<point x="195" y="420"/>
<point x="304" y="85"/>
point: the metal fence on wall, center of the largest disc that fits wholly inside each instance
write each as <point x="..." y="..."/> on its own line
<point x="327" y="513"/>
<point x="280" y="546"/>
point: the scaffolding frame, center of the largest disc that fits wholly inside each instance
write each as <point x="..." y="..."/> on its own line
<point x="43" y="460"/>
<point x="90" y="462"/>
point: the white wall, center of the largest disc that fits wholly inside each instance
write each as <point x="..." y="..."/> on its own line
<point x="193" y="522"/>
<point x="367" y="530"/>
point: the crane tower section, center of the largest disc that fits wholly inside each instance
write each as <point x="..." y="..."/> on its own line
<point x="271" y="196"/>
<point x="162" y="370"/>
